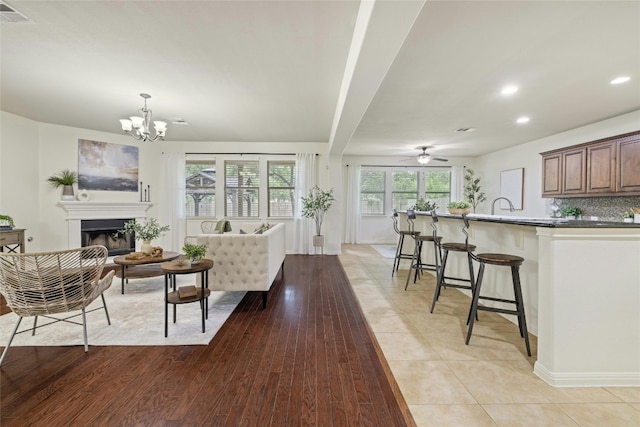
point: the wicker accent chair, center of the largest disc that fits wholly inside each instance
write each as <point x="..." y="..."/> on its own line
<point x="41" y="284"/>
<point x="215" y="227"/>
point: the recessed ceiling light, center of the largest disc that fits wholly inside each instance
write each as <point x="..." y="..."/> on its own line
<point x="523" y="119"/>
<point x="622" y="79"/>
<point x="509" y="90"/>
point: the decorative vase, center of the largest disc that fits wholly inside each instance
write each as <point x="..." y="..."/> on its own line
<point x="627" y="219"/>
<point x="458" y="211"/>
<point x="195" y="260"/>
<point x="318" y="241"/>
<point x="67" y="193"/>
<point x="146" y="247"/>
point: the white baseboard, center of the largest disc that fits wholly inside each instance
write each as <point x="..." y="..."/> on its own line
<point x="587" y="379"/>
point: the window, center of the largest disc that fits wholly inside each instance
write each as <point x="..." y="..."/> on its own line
<point x="404" y="188"/>
<point x="242" y="188"/>
<point x="437" y="187"/>
<point x="372" y="192"/>
<point x="200" y="188"/>
<point x="280" y="189"/>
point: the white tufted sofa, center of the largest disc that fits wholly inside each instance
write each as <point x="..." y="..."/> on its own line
<point x="245" y="262"/>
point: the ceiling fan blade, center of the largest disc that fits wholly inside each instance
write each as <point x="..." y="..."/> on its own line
<point x="440" y="159"/>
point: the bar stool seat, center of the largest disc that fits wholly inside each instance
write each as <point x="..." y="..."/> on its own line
<point x="453" y="247"/>
<point x="416" y="262"/>
<point x="503" y="260"/>
<point x="401" y="235"/>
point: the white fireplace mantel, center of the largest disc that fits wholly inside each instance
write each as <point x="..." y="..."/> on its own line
<point x="77" y="211"/>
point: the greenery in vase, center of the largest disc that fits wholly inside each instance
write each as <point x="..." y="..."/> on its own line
<point x="628" y="214"/>
<point x="425" y="205"/>
<point x="9" y="220"/>
<point x="316" y="204"/>
<point x="460" y="204"/>
<point x="66" y="177"/>
<point x="148" y="231"/>
<point x="571" y="211"/>
<point x="194" y="252"/>
<point x="472" y="189"/>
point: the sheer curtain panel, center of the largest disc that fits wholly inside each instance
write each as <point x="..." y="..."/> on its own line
<point x="303" y="228"/>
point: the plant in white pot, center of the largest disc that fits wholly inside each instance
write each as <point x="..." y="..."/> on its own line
<point x="147" y="231"/>
<point x="194" y="253"/>
<point x="315" y="205"/>
<point x="64" y="179"/>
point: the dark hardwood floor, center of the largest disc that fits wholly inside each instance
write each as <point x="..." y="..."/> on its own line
<point x="307" y="359"/>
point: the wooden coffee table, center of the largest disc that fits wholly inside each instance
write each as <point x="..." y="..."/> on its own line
<point x="142" y="267"/>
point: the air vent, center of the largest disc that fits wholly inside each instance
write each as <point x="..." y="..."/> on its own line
<point x="10" y="15"/>
<point x="180" y="122"/>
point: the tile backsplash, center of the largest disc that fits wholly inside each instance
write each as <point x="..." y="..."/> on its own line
<point x="605" y="208"/>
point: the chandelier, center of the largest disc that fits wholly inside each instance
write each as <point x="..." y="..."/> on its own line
<point x="138" y="127"/>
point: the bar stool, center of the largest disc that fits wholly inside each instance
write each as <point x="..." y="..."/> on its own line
<point x="401" y="233"/>
<point x="503" y="260"/>
<point x="416" y="261"/>
<point x="453" y="247"/>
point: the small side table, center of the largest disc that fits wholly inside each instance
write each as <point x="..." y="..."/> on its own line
<point x="128" y="266"/>
<point x="170" y="270"/>
<point x="12" y="239"/>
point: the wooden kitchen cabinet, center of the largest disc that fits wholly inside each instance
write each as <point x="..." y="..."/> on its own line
<point x="606" y="167"/>
<point x="628" y="172"/>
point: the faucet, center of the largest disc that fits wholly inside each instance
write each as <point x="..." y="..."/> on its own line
<point x="493" y="204"/>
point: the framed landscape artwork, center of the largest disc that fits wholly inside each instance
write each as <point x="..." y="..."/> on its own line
<point x="107" y="167"/>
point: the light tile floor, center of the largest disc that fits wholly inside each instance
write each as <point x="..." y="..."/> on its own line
<point x="487" y="383"/>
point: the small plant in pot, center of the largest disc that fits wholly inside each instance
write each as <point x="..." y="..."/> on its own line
<point x="147" y="231"/>
<point x="461" y="207"/>
<point x="627" y="216"/>
<point x="571" y="212"/>
<point x="6" y="222"/>
<point x="64" y="179"/>
<point x="315" y="205"/>
<point x="194" y="253"/>
<point x="425" y="205"/>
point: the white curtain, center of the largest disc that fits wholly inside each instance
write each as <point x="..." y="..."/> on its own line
<point x="303" y="228"/>
<point x="457" y="182"/>
<point x="352" y="205"/>
<point x="175" y="194"/>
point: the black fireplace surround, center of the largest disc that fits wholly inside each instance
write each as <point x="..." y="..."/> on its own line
<point x="105" y="232"/>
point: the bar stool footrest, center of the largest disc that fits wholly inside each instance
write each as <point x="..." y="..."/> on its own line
<point x="498" y="310"/>
<point x="508" y="301"/>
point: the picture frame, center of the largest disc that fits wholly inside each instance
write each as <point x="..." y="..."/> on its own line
<point x="103" y="166"/>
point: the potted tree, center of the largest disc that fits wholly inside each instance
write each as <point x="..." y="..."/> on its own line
<point x="472" y="190"/>
<point x="315" y="205"/>
<point x="194" y="253"/>
<point x="146" y="232"/>
<point x="64" y="179"/>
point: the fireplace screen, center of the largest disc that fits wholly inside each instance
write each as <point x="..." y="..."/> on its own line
<point x="105" y="232"/>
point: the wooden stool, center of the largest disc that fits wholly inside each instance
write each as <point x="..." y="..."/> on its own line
<point x="502" y="260"/>
<point x="401" y="234"/>
<point x="416" y="260"/>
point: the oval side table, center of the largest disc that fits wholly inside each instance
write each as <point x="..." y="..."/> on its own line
<point x="170" y="270"/>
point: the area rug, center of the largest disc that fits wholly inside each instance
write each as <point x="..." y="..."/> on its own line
<point x="387" y="251"/>
<point x="137" y="318"/>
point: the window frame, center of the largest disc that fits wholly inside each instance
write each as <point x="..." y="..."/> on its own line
<point x="291" y="188"/>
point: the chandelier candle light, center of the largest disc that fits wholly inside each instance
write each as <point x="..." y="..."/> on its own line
<point x="138" y="127"/>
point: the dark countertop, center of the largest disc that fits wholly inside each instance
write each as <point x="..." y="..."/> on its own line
<point x="538" y="222"/>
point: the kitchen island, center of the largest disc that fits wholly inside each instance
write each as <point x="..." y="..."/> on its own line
<point x="581" y="290"/>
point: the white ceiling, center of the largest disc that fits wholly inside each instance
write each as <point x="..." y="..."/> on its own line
<point x="288" y="71"/>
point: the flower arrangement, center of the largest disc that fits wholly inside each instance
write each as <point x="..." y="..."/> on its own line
<point x="316" y="204"/>
<point x="150" y="230"/>
<point x="194" y="252"/>
<point x="425" y="205"/>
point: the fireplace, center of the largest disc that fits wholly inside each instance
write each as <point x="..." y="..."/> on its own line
<point x="105" y="232"/>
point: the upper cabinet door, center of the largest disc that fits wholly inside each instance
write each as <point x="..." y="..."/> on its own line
<point x="601" y="167"/>
<point x="574" y="171"/>
<point x="551" y="175"/>
<point x="628" y="176"/>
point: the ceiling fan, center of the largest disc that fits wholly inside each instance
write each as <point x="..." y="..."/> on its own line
<point x="424" y="157"/>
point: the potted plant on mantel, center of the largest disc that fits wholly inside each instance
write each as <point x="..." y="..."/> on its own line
<point x="146" y="232"/>
<point x="315" y="205"/>
<point x="64" y="179"/>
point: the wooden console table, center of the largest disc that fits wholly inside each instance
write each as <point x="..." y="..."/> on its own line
<point x="12" y="239"/>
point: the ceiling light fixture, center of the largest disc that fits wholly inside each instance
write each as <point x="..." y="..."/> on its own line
<point x="509" y="90"/>
<point x="424" y="158"/>
<point x="138" y="127"/>
<point x="622" y="79"/>
<point x="522" y="120"/>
